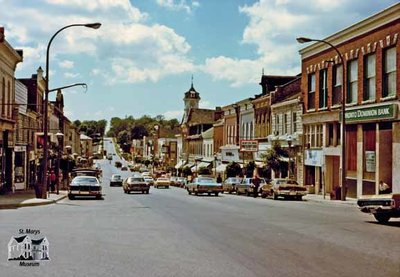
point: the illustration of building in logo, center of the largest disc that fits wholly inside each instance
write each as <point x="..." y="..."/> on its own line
<point x="24" y="248"/>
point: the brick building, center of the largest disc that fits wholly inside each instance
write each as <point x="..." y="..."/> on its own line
<point x="371" y="52"/>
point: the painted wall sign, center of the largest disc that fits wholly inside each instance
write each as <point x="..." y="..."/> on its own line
<point x="372" y="113"/>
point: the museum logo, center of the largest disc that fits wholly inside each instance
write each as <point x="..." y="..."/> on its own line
<point x="27" y="249"/>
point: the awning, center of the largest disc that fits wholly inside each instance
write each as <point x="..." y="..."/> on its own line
<point x="200" y="165"/>
<point x="179" y="164"/>
<point x="221" y="168"/>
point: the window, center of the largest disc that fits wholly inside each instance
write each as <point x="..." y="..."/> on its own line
<point x="285" y="131"/>
<point x="352" y="77"/>
<point x="351" y="148"/>
<point x="337" y="84"/>
<point x="389" y="72"/>
<point x="294" y="120"/>
<point x="277" y="124"/>
<point x="369" y="78"/>
<point x="311" y="92"/>
<point x="323" y="88"/>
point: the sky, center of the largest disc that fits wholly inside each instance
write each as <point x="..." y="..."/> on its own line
<point x="142" y="59"/>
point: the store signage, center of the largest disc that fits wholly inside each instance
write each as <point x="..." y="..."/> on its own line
<point x="248" y="146"/>
<point x="370" y="161"/>
<point x="372" y="113"/>
<point x="313" y="157"/>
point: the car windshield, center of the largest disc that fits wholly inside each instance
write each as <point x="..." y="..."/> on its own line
<point x="116" y="177"/>
<point x="135" y="179"/>
<point x="162" y="179"/>
<point x="84" y="180"/>
<point x="234" y="180"/>
<point x="205" y="180"/>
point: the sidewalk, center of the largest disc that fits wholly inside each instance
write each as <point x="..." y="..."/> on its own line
<point x="327" y="200"/>
<point x="27" y="198"/>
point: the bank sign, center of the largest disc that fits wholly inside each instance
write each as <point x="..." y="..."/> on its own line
<point x="372" y="113"/>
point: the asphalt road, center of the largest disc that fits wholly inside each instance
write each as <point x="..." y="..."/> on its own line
<point x="169" y="233"/>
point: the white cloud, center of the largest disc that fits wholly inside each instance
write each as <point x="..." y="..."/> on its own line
<point x="173" y="114"/>
<point x="273" y="27"/>
<point x="66" y="64"/>
<point x="179" y="5"/>
<point x="206" y="105"/>
<point x="71" y="75"/>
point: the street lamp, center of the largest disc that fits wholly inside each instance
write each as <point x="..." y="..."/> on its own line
<point x="343" y="120"/>
<point x="59" y="136"/>
<point x="215" y="164"/>
<point x="46" y="102"/>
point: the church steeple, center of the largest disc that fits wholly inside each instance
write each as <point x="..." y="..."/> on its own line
<point x="191" y="98"/>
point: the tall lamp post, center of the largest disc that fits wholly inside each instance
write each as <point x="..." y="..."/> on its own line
<point x="343" y="119"/>
<point x="46" y="101"/>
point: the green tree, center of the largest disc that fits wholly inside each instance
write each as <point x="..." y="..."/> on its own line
<point x="250" y="166"/>
<point x="233" y="169"/>
<point x="204" y="171"/>
<point x="273" y="158"/>
<point x="186" y="171"/>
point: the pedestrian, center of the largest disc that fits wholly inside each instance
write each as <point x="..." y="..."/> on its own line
<point x="384" y="188"/>
<point x="256" y="184"/>
<point x="53" y="179"/>
<point x="219" y="179"/>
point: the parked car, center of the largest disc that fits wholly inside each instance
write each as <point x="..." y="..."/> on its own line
<point x="229" y="185"/>
<point x="118" y="164"/>
<point x="149" y="180"/>
<point x="173" y="180"/>
<point x="85" y="172"/>
<point x="162" y="182"/>
<point x="116" y="180"/>
<point x="204" y="185"/>
<point x="124" y="168"/>
<point x="247" y="186"/>
<point x="382" y="207"/>
<point x="85" y="186"/>
<point x="135" y="184"/>
<point x="181" y="182"/>
<point x="286" y="188"/>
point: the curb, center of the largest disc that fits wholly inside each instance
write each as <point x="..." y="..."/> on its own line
<point x="332" y="202"/>
<point x="21" y="205"/>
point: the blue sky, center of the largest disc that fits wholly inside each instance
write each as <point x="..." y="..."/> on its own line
<point x="142" y="58"/>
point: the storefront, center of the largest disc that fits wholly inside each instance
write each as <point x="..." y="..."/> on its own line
<point x="20" y="167"/>
<point x="313" y="162"/>
<point x="372" y="152"/>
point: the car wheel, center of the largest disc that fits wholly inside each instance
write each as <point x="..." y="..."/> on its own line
<point x="263" y="195"/>
<point x="70" y="197"/>
<point x="196" y="193"/>
<point x="299" y="197"/>
<point x="142" y="191"/>
<point x="190" y="193"/>
<point x="167" y="187"/>
<point x="230" y="191"/>
<point x="216" y="194"/>
<point x="382" y="218"/>
<point x="98" y="197"/>
<point x="247" y="193"/>
<point x="238" y="192"/>
<point x="274" y="195"/>
<point x="209" y="193"/>
<point x="147" y="191"/>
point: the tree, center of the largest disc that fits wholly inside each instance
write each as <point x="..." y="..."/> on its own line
<point x="250" y="166"/>
<point x="138" y="132"/>
<point x="233" y="169"/>
<point x="273" y="157"/>
<point x="186" y="171"/>
<point x="123" y="137"/>
<point x="204" y="171"/>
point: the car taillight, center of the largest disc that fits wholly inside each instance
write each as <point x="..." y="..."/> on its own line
<point x="393" y="203"/>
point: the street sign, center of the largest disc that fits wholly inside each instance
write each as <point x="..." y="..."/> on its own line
<point x="249" y="146"/>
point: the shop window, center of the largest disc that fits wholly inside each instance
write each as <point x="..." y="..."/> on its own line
<point x="369" y="77"/>
<point x="285" y="129"/>
<point x="319" y="141"/>
<point x="294" y="120"/>
<point x="351" y="148"/>
<point x="19" y="170"/>
<point x="337" y="84"/>
<point x="352" y="77"/>
<point x="329" y="136"/>
<point x="389" y="72"/>
<point x="311" y="92"/>
<point x="323" y="88"/>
